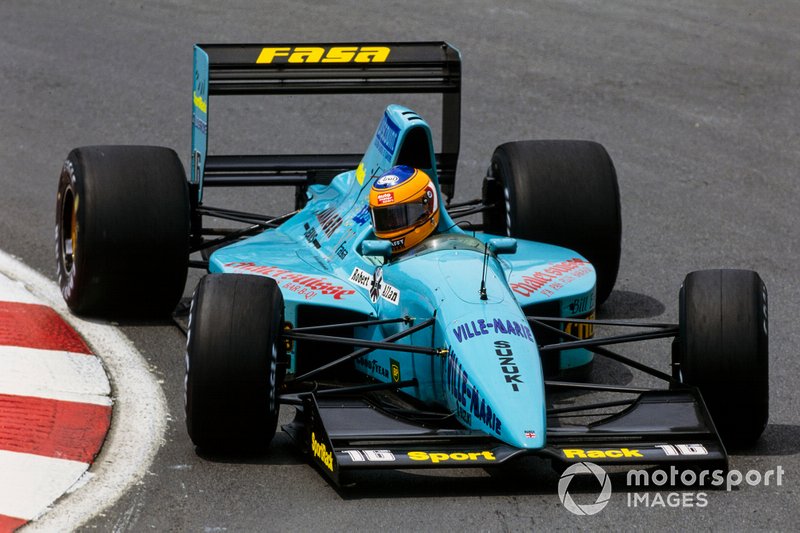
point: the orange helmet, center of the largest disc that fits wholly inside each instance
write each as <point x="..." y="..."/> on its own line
<point x="404" y="207"/>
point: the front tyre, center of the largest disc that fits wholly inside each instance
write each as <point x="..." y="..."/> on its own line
<point x="122" y="231"/>
<point x="233" y="353"/>
<point x="722" y="349"/>
<point x="558" y="192"/>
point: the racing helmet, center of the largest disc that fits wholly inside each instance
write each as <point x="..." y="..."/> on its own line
<point x="404" y="207"/>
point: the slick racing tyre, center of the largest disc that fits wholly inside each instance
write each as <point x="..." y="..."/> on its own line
<point x="722" y="349"/>
<point x="122" y="231"/>
<point x="558" y="192"/>
<point x="233" y="352"/>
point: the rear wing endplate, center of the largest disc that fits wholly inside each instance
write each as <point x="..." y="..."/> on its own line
<point x="327" y="68"/>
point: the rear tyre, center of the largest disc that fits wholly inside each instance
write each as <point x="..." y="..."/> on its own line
<point x="558" y="192"/>
<point x="722" y="349"/>
<point x="232" y="362"/>
<point x="122" y="231"/>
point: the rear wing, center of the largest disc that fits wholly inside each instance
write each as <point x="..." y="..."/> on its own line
<point x="329" y="68"/>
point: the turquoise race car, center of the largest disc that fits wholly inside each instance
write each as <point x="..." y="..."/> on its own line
<point x="406" y="330"/>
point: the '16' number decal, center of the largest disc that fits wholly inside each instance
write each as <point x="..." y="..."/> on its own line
<point x="683" y="449"/>
<point x="359" y="456"/>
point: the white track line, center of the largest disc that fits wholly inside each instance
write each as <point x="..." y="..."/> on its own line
<point x="139" y="417"/>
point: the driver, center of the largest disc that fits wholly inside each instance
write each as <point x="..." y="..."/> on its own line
<point x="404" y="207"/>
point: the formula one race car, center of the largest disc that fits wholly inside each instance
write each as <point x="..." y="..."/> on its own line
<point x="459" y="349"/>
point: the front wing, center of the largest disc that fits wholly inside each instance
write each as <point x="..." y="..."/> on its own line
<point x="342" y="435"/>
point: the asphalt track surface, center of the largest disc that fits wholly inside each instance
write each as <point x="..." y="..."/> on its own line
<point x="697" y="103"/>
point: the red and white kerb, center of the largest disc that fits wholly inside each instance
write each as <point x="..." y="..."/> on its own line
<point x="55" y="406"/>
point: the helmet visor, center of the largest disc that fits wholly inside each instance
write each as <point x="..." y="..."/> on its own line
<point x="400" y="216"/>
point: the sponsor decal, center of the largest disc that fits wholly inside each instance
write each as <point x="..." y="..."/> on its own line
<point x="361" y="173"/>
<point x="398" y="243"/>
<point x="395" y="368"/>
<point x="197" y="165"/>
<point x="468" y="398"/>
<point x="375" y="285"/>
<point x="582" y="331"/>
<point x="385" y="198"/>
<point x="199" y="91"/>
<point x="319" y="54"/>
<point x="372" y="366"/>
<point x="401" y="174"/>
<point x="329" y="220"/>
<point x="506" y="359"/>
<point x="361" y="278"/>
<point x="302" y="284"/>
<point x="552" y="278"/>
<point x="439" y="457"/>
<point x="340" y="247"/>
<point x="476" y="328"/>
<point x="613" y="453"/>
<point x="387" y="181"/>
<point x="372" y="456"/>
<point x="581" y="305"/>
<point x="311" y="235"/>
<point x="386" y="137"/>
<point x="463" y="414"/>
<point x="199" y="123"/>
<point x="362" y="216"/>
<point x="199" y="102"/>
<point x="320" y="451"/>
<point x="390" y="293"/>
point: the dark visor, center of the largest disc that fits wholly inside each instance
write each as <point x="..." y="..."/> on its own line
<point x="400" y="216"/>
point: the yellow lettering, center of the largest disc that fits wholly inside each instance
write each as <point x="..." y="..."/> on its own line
<point x="582" y="331"/>
<point x="439" y="457"/>
<point x="199" y="103"/>
<point x="361" y="173"/>
<point x="321" y="452"/>
<point x="436" y="457"/>
<point x="340" y="54"/>
<point x="372" y="54"/>
<point x="306" y="54"/>
<point x="316" y="54"/>
<point x="268" y="54"/>
<point x="573" y="454"/>
<point x="599" y="454"/>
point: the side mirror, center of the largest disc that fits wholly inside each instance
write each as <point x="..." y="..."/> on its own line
<point x="503" y="245"/>
<point x="376" y="248"/>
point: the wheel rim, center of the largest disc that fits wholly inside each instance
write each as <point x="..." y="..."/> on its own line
<point x="68" y="240"/>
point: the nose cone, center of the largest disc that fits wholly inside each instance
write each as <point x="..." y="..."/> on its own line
<point x="494" y="378"/>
